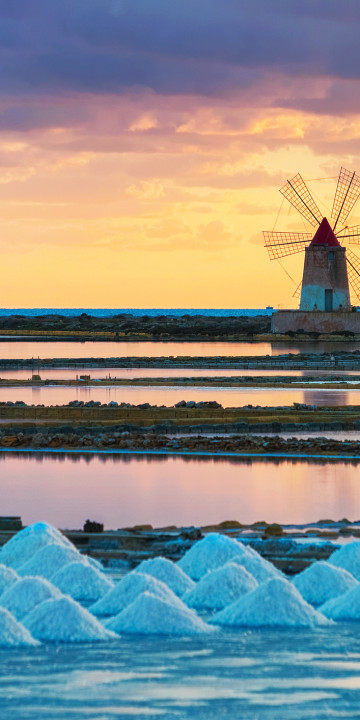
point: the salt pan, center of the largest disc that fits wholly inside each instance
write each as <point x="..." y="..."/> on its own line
<point x="322" y="582"/>
<point x="65" y="621"/>
<point x="168" y="572"/>
<point x="25" y="594"/>
<point x="274" y="603"/>
<point x="150" y="614"/>
<point x="220" y="587"/>
<point x="13" y="633"/>
<point x="82" y="582"/>
<point x="127" y="590"/>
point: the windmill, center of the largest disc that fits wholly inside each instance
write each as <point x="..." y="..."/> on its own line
<point x="329" y="267"/>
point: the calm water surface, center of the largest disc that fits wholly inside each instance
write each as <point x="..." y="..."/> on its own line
<point x="167" y="395"/>
<point x="239" y="675"/>
<point x="41" y="349"/>
<point x="129" y="373"/>
<point x="122" y="490"/>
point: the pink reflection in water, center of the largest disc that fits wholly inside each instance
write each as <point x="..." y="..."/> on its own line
<point x="123" y="490"/>
<point x="40" y="349"/>
<point x="166" y="395"/>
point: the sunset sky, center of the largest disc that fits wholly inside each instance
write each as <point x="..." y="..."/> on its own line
<point x="143" y="143"/>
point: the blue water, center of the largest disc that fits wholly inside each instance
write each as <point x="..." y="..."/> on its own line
<point x="241" y="675"/>
<point x="151" y="312"/>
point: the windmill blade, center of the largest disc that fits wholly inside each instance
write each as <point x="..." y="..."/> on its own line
<point x="298" y="194"/>
<point x="346" y="195"/>
<point x="350" y="234"/>
<point x="353" y="264"/>
<point x="280" y="244"/>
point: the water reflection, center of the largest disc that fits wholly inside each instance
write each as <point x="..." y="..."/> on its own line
<point x="40" y="349"/>
<point x="123" y="490"/>
<point x="130" y="373"/>
<point x="330" y="397"/>
<point x="167" y="395"/>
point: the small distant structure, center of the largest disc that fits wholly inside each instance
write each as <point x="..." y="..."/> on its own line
<point x="36" y="378"/>
<point x="84" y="377"/>
<point x="329" y="267"/>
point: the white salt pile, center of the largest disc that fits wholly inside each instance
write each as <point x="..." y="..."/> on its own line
<point x="220" y="587"/>
<point x="210" y="553"/>
<point x="49" y="559"/>
<point x="215" y="550"/>
<point x="82" y="581"/>
<point x="28" y="541"/>
<point x="261" y="569"/>
<point x="322" y="582"/>
<point x="169" y="573"/>
<point x="128" y="589"/>
<point x="65" y="621"/>
<point x="348" y="558"/>
<point x="345" y="607"/>
<point x="13" y="633"/>
<point x="25" y="594"/>
<point x="8" y="577"/>
<point x="274" y="603"/>
<point x="152" y="615"/>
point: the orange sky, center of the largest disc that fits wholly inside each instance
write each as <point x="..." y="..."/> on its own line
<point x="145" y="198"/>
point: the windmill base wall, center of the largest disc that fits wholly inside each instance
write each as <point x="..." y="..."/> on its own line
<point x="285" y="321"/>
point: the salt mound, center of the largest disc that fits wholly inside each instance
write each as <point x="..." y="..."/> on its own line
<point x="49" y="559"/>
<point x="65" y="621"/>
<point x="28" y="541"/>
<point x="211" y="552"/>
<point x="348" y="558"/>
<point x="8" y="577"/>
<point x="13" y="633"/>
<point x="128" y="589"/>
<point x="25" y="594"/>
<point x="82" y="582"/>
<point x="169" y="573"/>
<point x="275" y="603"/>
<point x="220" y="587"/>
<point x="344" y="607"/>
<point x="152" y="615"/>
<point x="322" y="582"/>
<point x="261" y="569"/>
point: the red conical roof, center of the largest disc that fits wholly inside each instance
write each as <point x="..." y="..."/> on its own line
<point x="325" y="235"/>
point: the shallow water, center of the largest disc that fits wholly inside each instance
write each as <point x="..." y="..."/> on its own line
<point x="125" y="490"/>
<point x="129" y="373"/>
<point x="247" y="675"/>
<point x="41" y="349"/>
<point x="168" y="395"/>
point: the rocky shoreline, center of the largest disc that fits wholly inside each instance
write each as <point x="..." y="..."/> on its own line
<point x="288" y="361"/>
<point x="117" y="440"/>
<point x="127" y="327"/>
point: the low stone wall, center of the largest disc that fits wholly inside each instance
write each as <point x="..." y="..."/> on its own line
<point x="285" y="321"/>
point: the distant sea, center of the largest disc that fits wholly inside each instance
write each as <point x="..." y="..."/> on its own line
<point x="151" y="312"/>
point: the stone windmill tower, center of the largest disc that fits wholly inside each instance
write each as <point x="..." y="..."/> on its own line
<point x="328" y="266"/>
